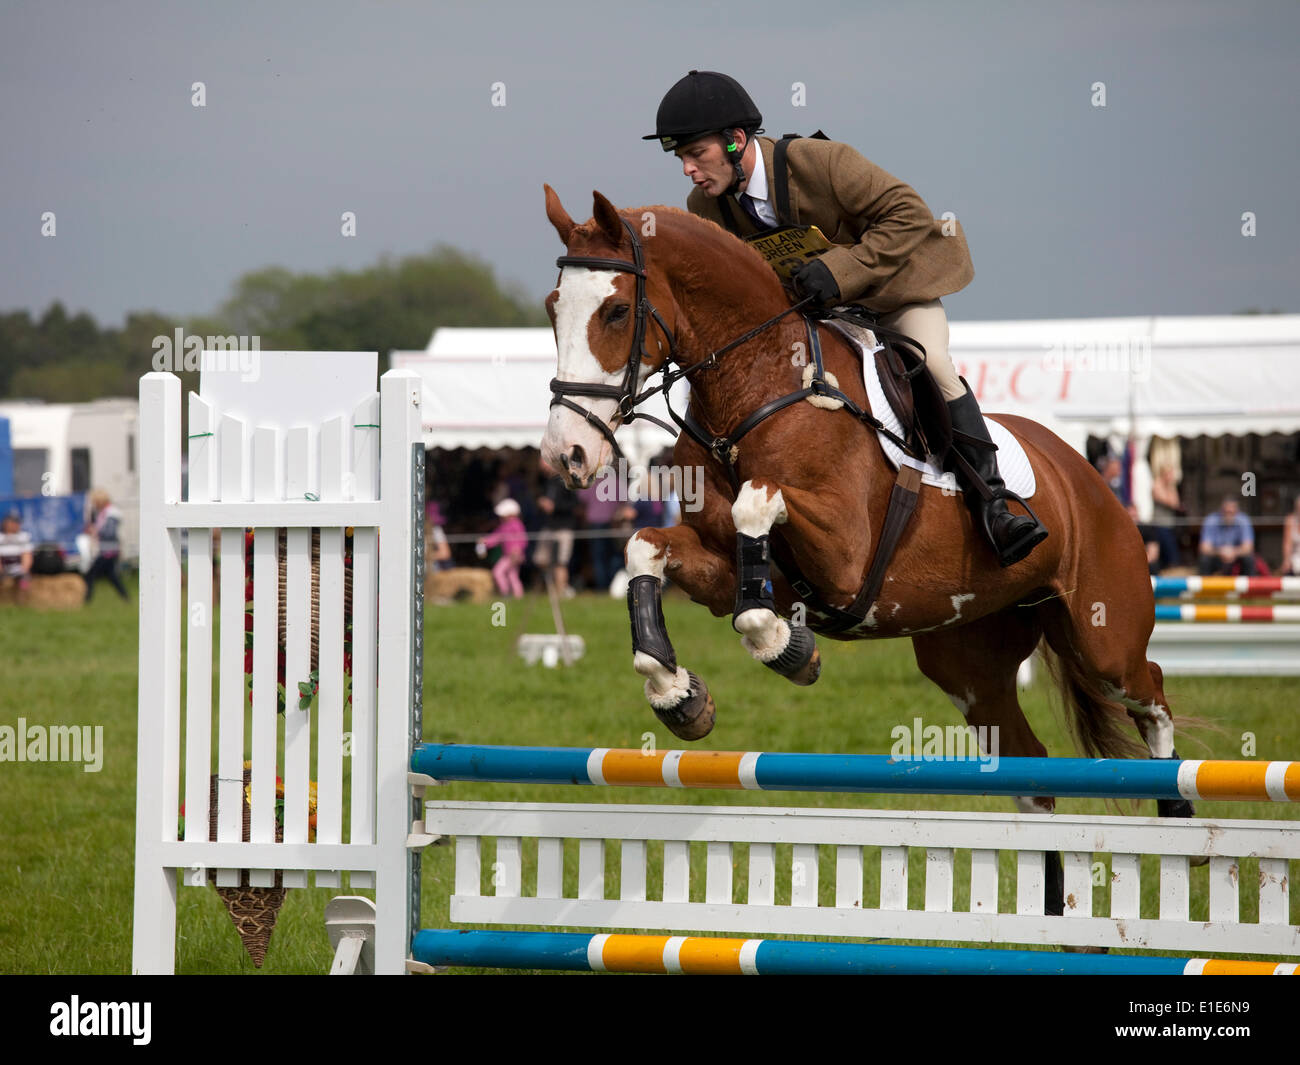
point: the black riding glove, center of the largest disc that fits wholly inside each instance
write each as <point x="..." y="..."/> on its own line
<point x="816" y="280"/>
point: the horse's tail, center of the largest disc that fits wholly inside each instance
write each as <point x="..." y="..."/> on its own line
<point x="1098" y="724"/>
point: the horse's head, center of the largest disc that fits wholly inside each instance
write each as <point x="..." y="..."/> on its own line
<point x="613" y="326"/>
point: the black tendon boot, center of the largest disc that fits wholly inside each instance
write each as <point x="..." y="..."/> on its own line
<point x="1011" y="535"/>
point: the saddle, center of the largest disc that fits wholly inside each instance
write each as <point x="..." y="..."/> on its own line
<point x="911" y="392"/>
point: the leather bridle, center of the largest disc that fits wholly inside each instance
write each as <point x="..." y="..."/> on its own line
<point x="625" y="394"/>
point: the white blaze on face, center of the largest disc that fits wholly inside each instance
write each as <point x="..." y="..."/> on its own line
<point x="579" y="296"/>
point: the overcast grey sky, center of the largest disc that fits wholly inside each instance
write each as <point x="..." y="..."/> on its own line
<point x="386" y="109"/>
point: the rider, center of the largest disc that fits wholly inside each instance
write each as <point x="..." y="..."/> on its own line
<point x="888" y="253"/>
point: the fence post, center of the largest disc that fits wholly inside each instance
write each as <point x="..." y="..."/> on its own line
<point x="158" y="741"/>
<point x="400" y="392"/>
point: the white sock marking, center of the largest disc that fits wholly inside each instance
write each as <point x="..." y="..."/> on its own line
<point x="764" y="635"/>
<point x="754" y="514"/>
<point x="1153" y="720"/>
<point x="643" y="558"/>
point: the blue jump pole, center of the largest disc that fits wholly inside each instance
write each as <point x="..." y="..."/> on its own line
<point x="583" y="952"/>
<point x="877" y="774"/>
<point x="1111" y="778"/>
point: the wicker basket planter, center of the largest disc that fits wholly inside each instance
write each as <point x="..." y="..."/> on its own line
<point x="253" y="910"/>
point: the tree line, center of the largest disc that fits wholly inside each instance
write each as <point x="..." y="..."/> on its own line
<point x="395" y="304"/>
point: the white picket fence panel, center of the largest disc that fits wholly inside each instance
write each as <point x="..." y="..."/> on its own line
<point x="351" y="470"/>
<point x="533" y="835"/>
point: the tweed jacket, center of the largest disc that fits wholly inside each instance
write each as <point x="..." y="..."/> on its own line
<point x="887" y="251"/>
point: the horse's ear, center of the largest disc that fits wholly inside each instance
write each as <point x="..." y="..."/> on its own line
<point x="607" y="218"/>
<point x="558" y="215"/>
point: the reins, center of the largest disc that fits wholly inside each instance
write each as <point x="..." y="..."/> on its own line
<point x="628" y="398"/>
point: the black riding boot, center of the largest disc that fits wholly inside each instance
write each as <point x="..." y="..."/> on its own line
<point x="1012" y="535"/>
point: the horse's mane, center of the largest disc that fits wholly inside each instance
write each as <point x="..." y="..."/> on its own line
<point x="710" y="239"/>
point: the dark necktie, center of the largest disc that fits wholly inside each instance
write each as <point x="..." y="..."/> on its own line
<point x="747" y="202"/>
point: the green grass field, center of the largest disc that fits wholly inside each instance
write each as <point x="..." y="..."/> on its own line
<point x="67" y="836"/>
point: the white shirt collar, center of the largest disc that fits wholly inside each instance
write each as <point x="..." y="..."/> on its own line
<point x="756" y="189"/>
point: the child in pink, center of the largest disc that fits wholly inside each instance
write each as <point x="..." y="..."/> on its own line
<point x="513" y="538"/>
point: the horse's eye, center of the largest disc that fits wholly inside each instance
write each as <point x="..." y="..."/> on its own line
<point x="617" y="314"/>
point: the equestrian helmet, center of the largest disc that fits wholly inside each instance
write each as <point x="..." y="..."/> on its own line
<point x="701" y="103"/>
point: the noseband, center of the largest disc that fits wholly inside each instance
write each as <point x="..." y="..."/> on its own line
<point x="626" y="393"/>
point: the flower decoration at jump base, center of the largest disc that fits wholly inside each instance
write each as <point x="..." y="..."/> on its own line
<point x="254" y="910"/>
<point x="307" y="689"/>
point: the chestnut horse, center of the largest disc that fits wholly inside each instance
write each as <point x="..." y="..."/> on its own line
<point x="821" y="479"/>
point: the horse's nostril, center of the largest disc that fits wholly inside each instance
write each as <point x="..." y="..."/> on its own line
<point x="576" y="457"/>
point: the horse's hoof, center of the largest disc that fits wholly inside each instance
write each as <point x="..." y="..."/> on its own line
<point x="800" y="662"/>
<point x="691" y="718"/>
<point x="810" y="672"/>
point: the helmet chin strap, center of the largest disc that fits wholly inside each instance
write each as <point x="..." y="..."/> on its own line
<point x="734" y="156"/>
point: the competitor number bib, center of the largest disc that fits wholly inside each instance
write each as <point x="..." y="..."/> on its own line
<point x="789" y="248"/>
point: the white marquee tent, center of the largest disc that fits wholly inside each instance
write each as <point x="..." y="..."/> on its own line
<point x="491" y="388"/>
<point x="1228" y="375"/>
<point x="1102" y="376"/>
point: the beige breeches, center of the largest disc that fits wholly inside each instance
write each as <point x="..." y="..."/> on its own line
<point x="927" y="324"/>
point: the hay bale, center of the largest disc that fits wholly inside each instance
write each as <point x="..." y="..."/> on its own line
<point x="462" y="582"/>
<point x="60" y="591"/>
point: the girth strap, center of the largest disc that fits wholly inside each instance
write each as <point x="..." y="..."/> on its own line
<point x="902" y="500"/>
<point x="902" y="505"/>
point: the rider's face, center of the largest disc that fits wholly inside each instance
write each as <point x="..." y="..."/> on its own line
<point x="705" y="162"/>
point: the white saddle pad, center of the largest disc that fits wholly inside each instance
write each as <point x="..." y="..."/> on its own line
<point x="1013" y="463"/>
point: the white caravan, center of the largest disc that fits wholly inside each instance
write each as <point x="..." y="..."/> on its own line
<point x="64" y="448"/>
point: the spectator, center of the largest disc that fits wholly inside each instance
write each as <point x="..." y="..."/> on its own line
<point x="437" y="551"/>
<point x="1150" y="540"/>
<point x="512" y="537"/>
<point x="1112" y="472"/>
<point x="1291" y="542"/>
<point x="472" y="502"/>
<point x="518" y="483"/>
<point x="659" y="506"/>
<point x="104" y="521"/>
<point x="648" y="514"/>
<point x="1166" y="509"/>
<point x="600" y="519"/>
<point x="558" y="507"/>
<point x="1227" y="541"/>
<point x="672" y="502"/>
<point x="16" y="554"/>
<point x="1166" y="505"/>
<point x="512" y="483"/>
<point x="1162" y="544"/>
